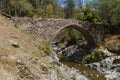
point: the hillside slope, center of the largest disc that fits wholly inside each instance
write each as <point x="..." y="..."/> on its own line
<point x="9" y="54"/>
<point x="23" y="57"/>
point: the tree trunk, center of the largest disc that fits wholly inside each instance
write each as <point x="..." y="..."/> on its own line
<point x="15" y="12"/>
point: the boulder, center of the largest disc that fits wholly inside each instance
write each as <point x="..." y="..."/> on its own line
<point x="112" y="43"/>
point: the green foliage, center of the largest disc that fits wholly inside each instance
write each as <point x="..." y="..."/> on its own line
<point x="91" y="15"/>
<point x="78" y="14"/>
<point x="116" y="16"/>
<point x="59" y="12"/>
<point x="93" y="57"/>
<point x="15" y="25"/>
<point x="99" y="11"/>
<point x="87" y="14"/>
<point x="33" y="8"/>
<point x="47" y="48"/>
<point x="70" y="36"/>
<point x="108" y="10"/>
<point x="49" y="11"/>
<point x="20" y="7"/>
<point x="69" y="9"/>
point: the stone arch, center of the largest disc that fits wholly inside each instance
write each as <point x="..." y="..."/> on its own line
<point x="88" y="36"/>
<point x="49" y="28"/>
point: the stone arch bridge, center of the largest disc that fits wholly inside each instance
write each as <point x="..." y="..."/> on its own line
<point x="49" y="28"/>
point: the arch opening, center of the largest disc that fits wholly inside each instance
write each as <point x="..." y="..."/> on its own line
<point x="74" y="34"/>
<point x="69" y="36"/>
<point x="74" y="42"/>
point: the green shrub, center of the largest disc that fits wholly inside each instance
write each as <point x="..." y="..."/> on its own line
<point x="47" y="48"/>
<point x="16" y="25"/>
<point x="93" y="57"/>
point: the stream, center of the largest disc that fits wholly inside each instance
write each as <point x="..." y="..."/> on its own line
<point x="89" y="72"/>
<point x="105" y="69"/>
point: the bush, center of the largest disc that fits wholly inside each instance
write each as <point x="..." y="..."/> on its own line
<point x="93" y="57"/>
<point x="47" y="48"/>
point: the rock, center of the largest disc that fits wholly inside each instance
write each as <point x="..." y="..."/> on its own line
<point x="53" y="75"/>
<point x="95" y="65"/>
<point x="80" y="77"/>
<point x="109" y="67"/>
<point x="113" y="76"/>
<point x="108" y="53"/>
<point x="72" y="53"/>
<point x="76" y="76"/>
<point x="14" y="43"/>
<point x="112" y="43"/>
<point x="107" y="63"/>
<point x="50" y="60"/>
<point x="56" y="49"/>
<point x="70" y="73"/>
<point x="19" y="62"/>
<point x="54" y="44"/>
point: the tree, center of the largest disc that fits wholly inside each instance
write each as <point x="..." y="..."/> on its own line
<point x="70" y="36"/>
<point x="79" y="14"/>
<point x="57" y="9"/>
<point x="69" y="9"/>
<point x="33" y="8"/>
<point x="20" y="7"/>
<point x="17" y="7"/>
<point x="78" y="11"/>
<point x="91" y="15"/>
<point x="47" y="8"/>
<point x="49" y="11"/>
<point x="6" y="4"/>
<point x="116" y="16"/>
<point x="109" y="11"/>
<point x="79" y="4"/>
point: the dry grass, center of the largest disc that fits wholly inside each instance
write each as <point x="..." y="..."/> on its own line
<point x="28" y="47"/>
<point x="113" y="43"/>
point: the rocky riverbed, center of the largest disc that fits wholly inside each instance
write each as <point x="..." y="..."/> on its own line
<point x="106" y="69"/>
<point x="110" y="67"/>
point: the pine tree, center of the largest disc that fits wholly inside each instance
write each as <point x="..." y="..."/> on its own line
<point x="69" y="9"/>
<point x="21" y="7"/>
<point x="49" y="11"/>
